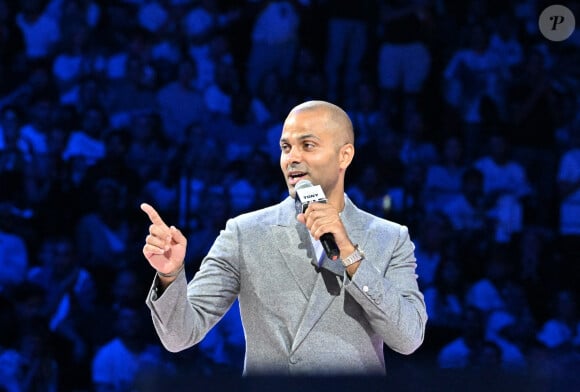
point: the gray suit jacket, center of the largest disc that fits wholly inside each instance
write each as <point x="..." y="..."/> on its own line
<point x="298" y="318"/>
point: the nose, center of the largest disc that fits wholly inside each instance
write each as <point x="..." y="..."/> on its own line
<point x="292" y="156"/>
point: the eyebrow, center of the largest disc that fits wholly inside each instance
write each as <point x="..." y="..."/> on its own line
<point x="302" y="137"/>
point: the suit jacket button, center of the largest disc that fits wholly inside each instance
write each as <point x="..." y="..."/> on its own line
<point x="294" y="360"/>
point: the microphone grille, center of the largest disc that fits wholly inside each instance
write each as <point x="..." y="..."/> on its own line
<point x="303" y="184"/>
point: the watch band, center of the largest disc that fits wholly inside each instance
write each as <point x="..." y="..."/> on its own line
<point x="355" y="256"/>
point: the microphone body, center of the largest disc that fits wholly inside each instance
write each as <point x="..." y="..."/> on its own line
<point x="306" y="194"/>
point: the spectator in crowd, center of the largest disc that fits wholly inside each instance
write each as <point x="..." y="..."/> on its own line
<point x="14" y="149"/>
<point x="215" y="52"/>
<point x="148" y="148"/>
<point x="128" y="360"/>
<point x="568" y="180"/>
<point x="29" y="301"/>
<point x="274" y="43"/>
<point x="370" y="190"/>
<point x="415" y="147"/>
<point x="513" y="328"/>
<point x="134" y="92"/>
<point x="445" y="301"/>
<point x="504" y="41"/>
<point x="559" y="335"/>
<point x="432" y="246"/>
<point x="31" y="366"/>
<point x="487" y="293"/>
<point x="347" y="41"/>
<point x="309" y="80"/>
<point x="387" y="150"/>
<point x="58" y="270"/>
<point x="463" y="351"/>
<point x="69" y="13"/>
<point x="48" y="187"/>
<point x="209" y="219"/>
<point x="154" y="15"/>
<point x="471" y="80"/>
<point x="244" y="132"/>
<point x="37" y="83"/>
<point x="41" y="31"/>
<point x="113" y="165"/>
<point x="126" y="292"/>
<point x="506" y="187"/>
<point x="70" y="304"/>
<point x="13" y="249"/>
<point x="77" y="60"/>
<point x="404" y="60"/>
<point x="405" y="203"/>
<point x="270" y="101"/>
<point x="89" y="92"/>
<point x="181" y="103"/>
<point x="193" y="168"/>
<point x="218" y="96"/>
<point x="200" y="25"/>
<point x="104" y="232"/>
<point x="531" y="102"/>
<point x="86" y="145"/>
<point x="468" y="211"/>
<point x="40" y="122"/>
<point x="366" y="115"/>
<point x="562" y="328"/>
<point x="443" y="178"/>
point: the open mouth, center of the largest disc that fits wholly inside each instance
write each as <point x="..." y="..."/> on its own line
<point x="295" y="176"/>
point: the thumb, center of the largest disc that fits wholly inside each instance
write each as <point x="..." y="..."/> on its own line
<point x="300" y="217"/>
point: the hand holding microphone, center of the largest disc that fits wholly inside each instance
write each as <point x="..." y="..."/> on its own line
<point x="320" y="218"/>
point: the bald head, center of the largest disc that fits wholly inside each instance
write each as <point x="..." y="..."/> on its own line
<point x="334" y="117"/>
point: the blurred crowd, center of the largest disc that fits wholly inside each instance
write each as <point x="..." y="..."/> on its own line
<point x="467" y="130"/>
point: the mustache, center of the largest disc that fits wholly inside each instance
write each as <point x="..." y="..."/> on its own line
<point x="293" y="167"/>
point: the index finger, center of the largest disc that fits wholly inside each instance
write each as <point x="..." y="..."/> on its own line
<point x="153" y="215"/>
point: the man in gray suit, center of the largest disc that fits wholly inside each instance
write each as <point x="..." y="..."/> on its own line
<point x="302" y="312"/>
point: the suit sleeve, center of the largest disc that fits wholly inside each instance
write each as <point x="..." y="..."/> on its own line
<point x="184" y="313"/>
<point x="391" y="299"/>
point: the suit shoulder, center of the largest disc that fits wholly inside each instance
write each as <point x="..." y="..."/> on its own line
<point x="266" y="215"/>
<point x="376" y="222"/>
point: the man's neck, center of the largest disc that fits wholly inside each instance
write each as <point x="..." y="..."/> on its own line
<point x="337" y="200"/>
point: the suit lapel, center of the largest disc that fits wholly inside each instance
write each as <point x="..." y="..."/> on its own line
<point x="292" y="240"/>
<point x="295" y="250"/>
<point x="326" y="289"/>
<point x="321" y="288"/>
<point x="329" y="283"/>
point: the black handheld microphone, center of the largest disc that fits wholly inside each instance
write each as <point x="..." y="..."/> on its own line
<point x="308" y="193"/>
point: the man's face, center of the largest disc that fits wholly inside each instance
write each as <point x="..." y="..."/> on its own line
<point x="310" y="149"/>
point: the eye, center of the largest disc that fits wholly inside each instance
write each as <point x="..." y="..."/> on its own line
<point x="284" y="147"/>
<point x="309" y="145"/>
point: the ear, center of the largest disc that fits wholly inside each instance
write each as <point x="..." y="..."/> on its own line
<point x="345" y="155"/>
